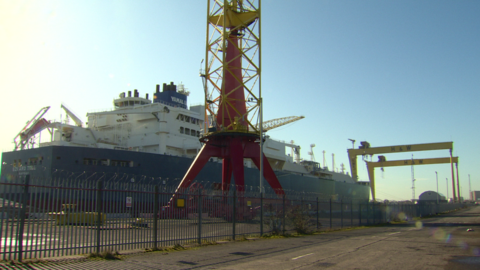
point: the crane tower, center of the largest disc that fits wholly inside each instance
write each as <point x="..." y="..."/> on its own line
<point x="232" y="94"/>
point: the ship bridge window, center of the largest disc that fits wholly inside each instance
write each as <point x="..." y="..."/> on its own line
<point x="193" y="120"/>
<point x="187" y="118"/>
<point x="180" y="117"/>
<point x="181" y="130"/>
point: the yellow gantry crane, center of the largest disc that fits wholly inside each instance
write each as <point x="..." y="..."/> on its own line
<point x="406" y="162"/>
<point x="365" y="150"/>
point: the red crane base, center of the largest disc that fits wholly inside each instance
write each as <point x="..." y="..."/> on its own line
<point x="232" y="148"/>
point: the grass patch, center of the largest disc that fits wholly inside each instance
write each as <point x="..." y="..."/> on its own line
<point x="176" y="247"/>
<point x="105" y="255"/>
<point x="273" y="236"/>
<point x="246" y="237"/>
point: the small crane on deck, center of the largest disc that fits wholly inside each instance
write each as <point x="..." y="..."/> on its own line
<point x="278" y="122"/>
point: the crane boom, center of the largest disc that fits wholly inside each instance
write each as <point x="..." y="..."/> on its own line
<point x="77" y="120"/>
<point x="278" y="122"/>
<point x="406" y="162"/>
<point x="36" y="124"/>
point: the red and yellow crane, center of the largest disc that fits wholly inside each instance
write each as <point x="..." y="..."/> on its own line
<point x="233" y="94"/>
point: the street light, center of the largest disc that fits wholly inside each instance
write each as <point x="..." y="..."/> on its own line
<point x="436" y="176"/>
<point x="447" y="189"/>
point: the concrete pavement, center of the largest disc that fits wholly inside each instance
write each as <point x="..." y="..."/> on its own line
<point x="442" y="242"/>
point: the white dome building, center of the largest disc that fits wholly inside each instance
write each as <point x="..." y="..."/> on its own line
<point x="431" y="196"/>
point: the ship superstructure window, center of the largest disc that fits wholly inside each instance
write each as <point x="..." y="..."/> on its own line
<point x="107" y="162"/>
<point x="181" y="130"/>
<point x="32" y="161"/>
<point x="188" y="119"/>
<point x="187" y="131"/>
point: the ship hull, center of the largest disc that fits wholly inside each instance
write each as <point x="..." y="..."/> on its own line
<point x="81" y="163"/>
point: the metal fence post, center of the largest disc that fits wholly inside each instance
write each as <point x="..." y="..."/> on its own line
<point x="234" y="212"/>
<point x="155" y="217"/>
<point x="373" y="211"/>
<point x="261" y="213"/>
<point x="341" y="213"/>
<point x="368" y="212"/>
<point x="23" y="210"/>
<point x="99" y="212"/>
<point x="330" y="213"/>
<point x="284" y="213"/>
<point x="199" y="216"/>
<point x="385" y="205"/>
<point x="359" y="213"/>
<point x="317" y="215"/>
<point x="351" y="213"/>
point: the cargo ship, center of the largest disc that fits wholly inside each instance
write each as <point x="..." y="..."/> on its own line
<point x="153" y="141"/>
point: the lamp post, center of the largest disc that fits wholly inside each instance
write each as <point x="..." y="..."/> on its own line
<point x="447" y="190"/>
<point x="436" y="177"/>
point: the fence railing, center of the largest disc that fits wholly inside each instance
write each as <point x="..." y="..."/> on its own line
<point x="68" y="217"/>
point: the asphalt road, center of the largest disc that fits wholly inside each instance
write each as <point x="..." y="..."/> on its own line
<point x="442" y="242"/>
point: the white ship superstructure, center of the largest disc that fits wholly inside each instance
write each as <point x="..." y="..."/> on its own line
<point x="137" y="124"/>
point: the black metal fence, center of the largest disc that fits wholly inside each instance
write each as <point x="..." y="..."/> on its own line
<point x="67" y="217"/>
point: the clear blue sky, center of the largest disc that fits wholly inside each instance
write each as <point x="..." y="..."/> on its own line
<point x="389" y="72"/>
